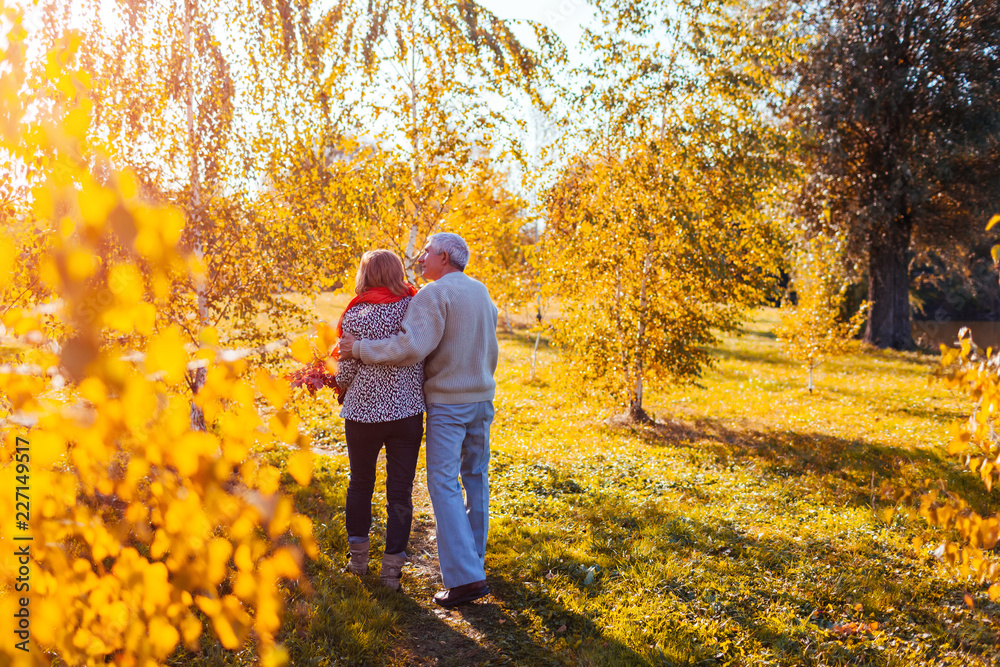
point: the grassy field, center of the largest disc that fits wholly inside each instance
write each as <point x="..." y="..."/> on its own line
<point x="741" y="529"/>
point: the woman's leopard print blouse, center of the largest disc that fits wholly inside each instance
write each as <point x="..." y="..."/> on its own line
<point x="378" y="393"/>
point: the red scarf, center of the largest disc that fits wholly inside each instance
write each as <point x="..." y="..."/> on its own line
<point x="374" y="295"/>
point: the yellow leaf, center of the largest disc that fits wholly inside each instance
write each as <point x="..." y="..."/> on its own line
<point x="47" y="448"/>
<point x="198" y="268"/>
<point x="300" y="466"/>
<point x="282" y="517"/>
<point x="166" y="354"/>
<point x="48" y="618"/>
<point x="969" y="601"/>
<point x="327" y="338"/>
<point x="301" y="350"/>
<point x="286" y="563"/>
<point x="171" y="225"/>
<point x="994" y="592"/>
<point x="7" y="254"/>
<point x="186" y="453"/>
<point x="156" y="588"/>
<point x="191" y="628"/>
<point x="96" y="205"/>
<point x="209" y="337"/>
<point x="225" y="632"/>
<point x="275" y="390"/>
<point x="138" y="402"/>
<point x="993" y="221"/>
<point x="274" y="656"/>
<point x="128" y="185"/>
<point x="163" y="637"/>
<point x="219" y="550"/>
<point x="80" y="265"/>
<point x="210" y="606"/>
<point x="245" y="586"/>
<point x="267" y="479"/>
<point x="285" y="426"/>
<point x="125" y="282"/>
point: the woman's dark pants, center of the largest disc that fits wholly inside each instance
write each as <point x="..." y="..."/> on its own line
<point x="401" y="438"/>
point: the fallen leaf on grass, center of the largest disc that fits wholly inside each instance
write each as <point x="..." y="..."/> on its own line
<point x="853" y="628"/>
<point x="847" y="629"/>
<point x="562" y="628"/>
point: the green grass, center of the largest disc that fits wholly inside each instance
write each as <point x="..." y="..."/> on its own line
<point x="738" y="530"/>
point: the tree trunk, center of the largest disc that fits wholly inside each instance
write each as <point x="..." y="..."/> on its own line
<point x="635" y="411"/>
<point x="410" y="259"/>
<point x="196" y="378"/>
<point x="534" y="352"/>
<point x="889" y="287"/>
<point x="538" y="335"/>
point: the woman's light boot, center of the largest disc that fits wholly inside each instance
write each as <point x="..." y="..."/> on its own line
<point x="359" y="557"/>
<point x="392" y="570"/>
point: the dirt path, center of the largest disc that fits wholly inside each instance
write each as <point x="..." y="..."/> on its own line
<point x="472" y="634"/>
<point x="431" y="635"/>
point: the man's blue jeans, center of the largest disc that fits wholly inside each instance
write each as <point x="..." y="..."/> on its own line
<point x="458" y="443"/>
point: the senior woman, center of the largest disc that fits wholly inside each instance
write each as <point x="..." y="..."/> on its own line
<point x="382" y="406"/>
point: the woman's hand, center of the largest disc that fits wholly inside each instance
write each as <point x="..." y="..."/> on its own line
<point x="346" y="346"/>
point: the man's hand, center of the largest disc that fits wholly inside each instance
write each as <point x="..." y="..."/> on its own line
<point x="346" y="345"/>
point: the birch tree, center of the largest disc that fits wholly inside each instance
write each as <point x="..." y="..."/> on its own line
<point x="206" y="101"/>
<point x="447" y="85"/>
<point x="658" y="227"/>
<point x="815" y="328"/>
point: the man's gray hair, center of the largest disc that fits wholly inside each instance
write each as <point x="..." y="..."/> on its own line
<point x="454" y="245"/>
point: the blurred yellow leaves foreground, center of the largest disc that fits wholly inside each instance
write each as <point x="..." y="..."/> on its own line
<point x="143" y="529"/>
<point x="975" y="371"/>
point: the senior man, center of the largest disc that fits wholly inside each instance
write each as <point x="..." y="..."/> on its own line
<point x="451" y="324"/>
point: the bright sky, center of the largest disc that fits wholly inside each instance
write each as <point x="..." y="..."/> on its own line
<point x="565" y="17"/>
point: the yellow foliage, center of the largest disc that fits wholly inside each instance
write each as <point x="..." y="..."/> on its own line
<point x="300" y="466"/>
<point x="301" y="350"/>
<point x="812" y="330"/>
<point x="135" y="512"/>
<point x="974" y="372"/>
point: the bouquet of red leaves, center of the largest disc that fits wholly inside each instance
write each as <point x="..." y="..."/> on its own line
<point x="314" y="377"/>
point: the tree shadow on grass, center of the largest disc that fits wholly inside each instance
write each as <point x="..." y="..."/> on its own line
<point x="881" y="362"/>
<point x="495" y="630"/>
<point x="568" y="637"/>
<point x="769" y="335"/>
<point x="819" y="599"/>
<point x="434" y="636"/>
<point x="856" y="467"/>
<point x="757" y="357"/>
<point x="525" y="339"/>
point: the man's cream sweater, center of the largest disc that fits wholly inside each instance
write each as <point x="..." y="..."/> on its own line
<point x="452" y="325"/>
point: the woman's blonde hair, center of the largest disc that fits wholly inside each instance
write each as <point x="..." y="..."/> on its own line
<point x="381" y="268"/>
